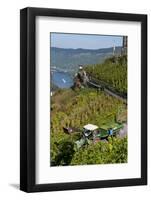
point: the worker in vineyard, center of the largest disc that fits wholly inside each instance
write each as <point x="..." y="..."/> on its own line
<point x="110" y="131"/>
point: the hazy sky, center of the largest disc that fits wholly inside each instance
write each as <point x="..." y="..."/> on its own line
<point x="84" y="41"/>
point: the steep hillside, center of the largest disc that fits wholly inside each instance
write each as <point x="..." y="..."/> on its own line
<point x="113" y="72"/>
<point x="75" y="109"/>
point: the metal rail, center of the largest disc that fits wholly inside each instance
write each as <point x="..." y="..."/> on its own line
<point x="107" y="90"/>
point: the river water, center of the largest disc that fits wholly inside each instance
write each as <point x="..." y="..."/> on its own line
<point x="62" y="79"/>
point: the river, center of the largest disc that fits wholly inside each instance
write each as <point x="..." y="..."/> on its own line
<point x="62" y="79"/>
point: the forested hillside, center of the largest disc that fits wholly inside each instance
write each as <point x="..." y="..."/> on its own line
<point x="69" y="59"/>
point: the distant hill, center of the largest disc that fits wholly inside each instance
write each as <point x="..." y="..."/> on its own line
<point x="69" y="59"/>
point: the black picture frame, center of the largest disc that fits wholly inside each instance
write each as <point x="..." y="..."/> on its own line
<point x="28" y="99"/>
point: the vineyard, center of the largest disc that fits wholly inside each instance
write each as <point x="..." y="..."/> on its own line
<point x="78" y="107"/>
<point x="75" y="109"/>
<point x="113" y="72"/>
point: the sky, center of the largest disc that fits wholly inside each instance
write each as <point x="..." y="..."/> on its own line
<point x="64" y="40"/>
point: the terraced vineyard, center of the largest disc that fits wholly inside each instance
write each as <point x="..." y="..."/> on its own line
<point x="113" y="72"/>
<point x="75" y="109"/>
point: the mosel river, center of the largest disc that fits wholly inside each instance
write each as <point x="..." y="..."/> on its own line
<point x="62" y="79"/>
